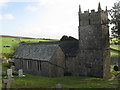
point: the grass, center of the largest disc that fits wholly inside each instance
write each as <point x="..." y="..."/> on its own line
<point x="12" y="42"/>
<point x="32" y="81"/>
<point x="117" y="47"/>
<point x="113" y="40"/>
<point x="116" y="73"/>
<point x="113" y="53"/>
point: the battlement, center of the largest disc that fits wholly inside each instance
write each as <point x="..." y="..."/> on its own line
<point x="93" y="17"/>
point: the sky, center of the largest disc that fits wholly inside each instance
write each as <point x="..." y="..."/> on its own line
<point x="44" y="18"/>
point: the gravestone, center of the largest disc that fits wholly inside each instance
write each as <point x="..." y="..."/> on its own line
<point x="0" y="60"/>
<point x="20" y="73"/>
<point x="9" y="59"/>
<point x="5" y="58"/>
<point x="7" y="81"/>
<point x="58" y="85"/>
<point x="13" y="69"/>
<point x="9" y="73"/>
<point x="9" y="78"/>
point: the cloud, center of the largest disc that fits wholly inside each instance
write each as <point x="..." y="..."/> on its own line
<point x="60" y="18"/>
<point x="31" y="8"/>
<point x="4" y="2"/>
<point x="1" y="17"/>
<point x="7" y="17"/>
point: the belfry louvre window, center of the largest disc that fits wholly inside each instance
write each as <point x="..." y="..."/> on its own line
<point x="39" y="66"/>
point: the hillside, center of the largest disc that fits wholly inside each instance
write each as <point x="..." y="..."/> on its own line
<point x="8" y="43"/>
<point x="8" y="36"/>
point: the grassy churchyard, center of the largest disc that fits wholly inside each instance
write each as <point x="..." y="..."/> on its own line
<point x="31" y="81"/>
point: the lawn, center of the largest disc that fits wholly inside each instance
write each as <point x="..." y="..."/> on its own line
<point x="32" y="81"/>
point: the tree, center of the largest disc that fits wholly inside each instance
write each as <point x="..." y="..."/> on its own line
<point x="66" y="38"/>
<point x="115" y="20"/>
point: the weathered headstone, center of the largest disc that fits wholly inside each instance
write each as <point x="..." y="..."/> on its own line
<point x="8" y="81"/>
<point x="58" y="85"/>
<point x="13" y="69"/>
<point x="9" y="59"/>
<point x="20" y="73"/>
<point x="9" y="73"/>
<point x="9" y="78"/>
<point x="0" y="60"/>
<point x="5" y="58"/>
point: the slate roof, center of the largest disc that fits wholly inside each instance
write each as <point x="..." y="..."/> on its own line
<point x="45" y="50"/>
<point x="36" y="51"/>
<point x="70" y="48"/>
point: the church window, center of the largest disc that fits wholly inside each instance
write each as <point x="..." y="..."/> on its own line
<point x="29" y="64"/>
<point x="39" y="66"/>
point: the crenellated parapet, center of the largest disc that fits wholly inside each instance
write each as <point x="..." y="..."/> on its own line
<point x="93" y="17"/>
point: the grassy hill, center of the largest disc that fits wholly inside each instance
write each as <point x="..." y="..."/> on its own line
<point x="9" y="42"/>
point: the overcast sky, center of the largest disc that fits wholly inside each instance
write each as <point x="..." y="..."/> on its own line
<point x="44" y="18"/>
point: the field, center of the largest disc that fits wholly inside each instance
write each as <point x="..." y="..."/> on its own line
<point x="8" y="44"/>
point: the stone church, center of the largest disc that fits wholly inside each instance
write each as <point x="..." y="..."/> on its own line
<point x="88" y="56"/>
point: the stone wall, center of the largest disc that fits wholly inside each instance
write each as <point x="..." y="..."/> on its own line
<point x="58" y="63"/>
<point x="54" y="67"/>
<point x="33" y="67"/>
<point x="72" y="66"/>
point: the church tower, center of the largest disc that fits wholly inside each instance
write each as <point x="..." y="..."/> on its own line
<point x="94" y="43"/>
